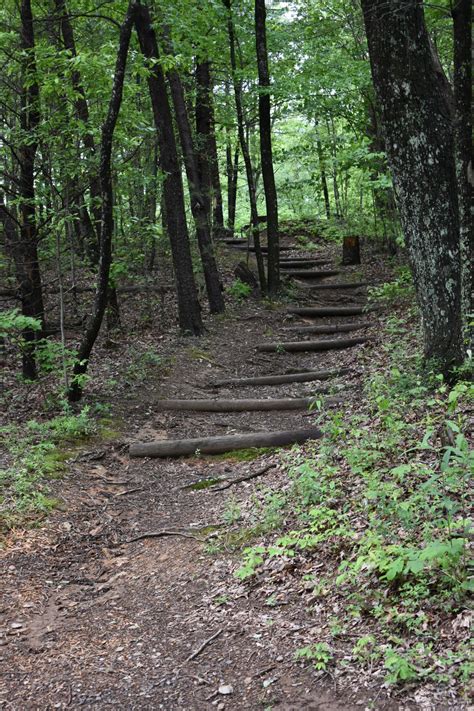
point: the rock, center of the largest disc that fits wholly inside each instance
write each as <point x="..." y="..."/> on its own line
<point x="226" y="689"/>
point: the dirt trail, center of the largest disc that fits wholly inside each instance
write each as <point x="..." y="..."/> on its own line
<point x="87" y="621"/>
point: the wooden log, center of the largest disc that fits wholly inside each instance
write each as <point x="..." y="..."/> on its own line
<point x="264" y="249"/>
<point x="311" y="273"/>
<point x="219" y="445"/>
<point x="335" y="328"/>
<point x="244" y="405"/>
<point x="334" y="285"/>
<point x="300" y="260"/>
<point x="302" y="346"/>
<point x="321" y="311"/>
<point x="303" y="377"/>
<point x="286" y="264"/>
<point x="233" y="240"/>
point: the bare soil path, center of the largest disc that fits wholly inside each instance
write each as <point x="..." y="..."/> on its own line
<point x="88" y="620"/>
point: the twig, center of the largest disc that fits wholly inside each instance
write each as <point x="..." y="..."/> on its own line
<point x="240" y="479"/>
<point x="112" y="482"/>
<point x="129" y="491"/>
<point x="203" y="646"/>
<point x="161" y="534"/>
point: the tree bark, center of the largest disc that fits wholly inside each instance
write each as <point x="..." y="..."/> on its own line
<point x="26" y="249"/>
<point x="351" y="250"/>
<point x="243" y="405"/>
<point x="205" y="128"/>
<point x="219" y="445"/>
<point x="310" y="346"/>
<point x="462" y="37"/>
<point x="198" y="202"/>
<point x="232" y="176"/>
<point x="244" y="146"/>
<point x="324" y="181"/>
<point x="188" y="304"/>
<point x="264" y="114"/>
<point x="416" y="119"/>
<point x="107" y="216"/>
<point x="82" y="112"/>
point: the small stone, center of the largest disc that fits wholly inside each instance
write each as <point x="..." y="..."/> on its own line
<point x="226" y="689"/>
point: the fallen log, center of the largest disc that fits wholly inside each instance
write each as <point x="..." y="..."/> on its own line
<point x="220" y="445"/>
<point x="310" y="273"/>
<point x="301" y="377"/>
<point x="240" y="405"/>
<point x="335" y="285"/>
<point x="316" y="311"/>
<point x="335" y="328"/>
<point x="302" y="346"/>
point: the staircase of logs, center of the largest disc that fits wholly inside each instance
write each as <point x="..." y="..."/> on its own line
<point x="309" y="273"/>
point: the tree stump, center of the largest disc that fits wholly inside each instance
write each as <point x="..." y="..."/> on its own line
<point x="246" y="275"/>
<point x="351" y="250"/>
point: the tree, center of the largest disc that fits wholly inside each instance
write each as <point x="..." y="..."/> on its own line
<point x="23" y="242"/>
<point x="244" y="146"/>
<point x="264" y="114"/>
<point x="107" y="215"/>
<point x="208" y="162"/>
<point x="199" y="205"/>
<point x="188" y="305"/>
<point x="416" y="119"/>
<point x="462" y="41"/>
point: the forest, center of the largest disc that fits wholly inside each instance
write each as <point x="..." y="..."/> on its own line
<point x="236" y="332"/>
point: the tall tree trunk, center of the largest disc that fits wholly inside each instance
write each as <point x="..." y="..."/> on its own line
<point x="188" y="304"/>
<point x="324" y="181"/>
<point x="244" y="145"/>
<point x="206" y="132"/>
<point x="264" y="115"/>
<point x="26" y="251"/>
<point x="198" y="203"/>
<point x="462" y="36"/>
<point x="416" y="119"/>
<point x="81" y="109"/>
<point x="107" y="219"/>
<point x="334" y="171"/>
<point x="232" y="176"/>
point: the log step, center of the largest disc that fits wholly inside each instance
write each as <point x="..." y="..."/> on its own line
<point x="311" y="273"/>
<point x="302" y="260"/>
<point x="336" y="328"/>
<point x="220" y="445"/>
<point x="334" y="285"/>
<point x="317" y="311"/>
<point x="302" y="346"/>
<point x="286" y="264"/>
<point x="244" y="405"/>
<point x="303" y="377"/>
<point x="244" y="248"/>
<point x="232" y="241"/>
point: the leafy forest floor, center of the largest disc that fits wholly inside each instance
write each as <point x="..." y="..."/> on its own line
<point x="333" y="579"/>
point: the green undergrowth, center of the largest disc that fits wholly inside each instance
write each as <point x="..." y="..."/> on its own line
<point x="37" y="453"/>
<point x="375" y="516"/>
